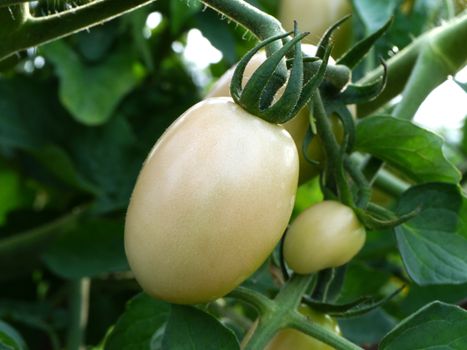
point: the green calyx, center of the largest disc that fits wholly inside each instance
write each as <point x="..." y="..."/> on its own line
<point x="258" y="93"/>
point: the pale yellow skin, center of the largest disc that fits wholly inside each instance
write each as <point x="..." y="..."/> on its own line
<point x="297" y="127"/>
<point x="212" y="200"/>
<point x="315" y="16"/>
<point x="325" y="235"/>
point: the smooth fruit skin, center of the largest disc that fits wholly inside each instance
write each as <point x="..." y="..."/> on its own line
<point x="325" y="235"/>
<point x="212" y="200"/>
<point x="297" y="127"/>
<point x="315" y="16"/>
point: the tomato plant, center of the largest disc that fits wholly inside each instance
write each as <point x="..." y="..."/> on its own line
<point x="137" y="213"/>
<point x="205" y="190"/>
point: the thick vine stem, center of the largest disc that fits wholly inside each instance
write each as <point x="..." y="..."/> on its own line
<point x="35" y="31"/>
<point x="445" y="42"/>
<point x="301" y="323"/>
<point x="277" y="316"/>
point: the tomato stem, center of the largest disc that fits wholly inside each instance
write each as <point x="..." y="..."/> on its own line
<point x="276" y="316"/>
<point x="78" y="299"/>
<point x="301" y="323"/>
<point x="439" y="43"/>
<point x="262" y="25"/>
<point x="334" y="154"/>
<point x="261" y="303"/>
<point x="38" y="30"/>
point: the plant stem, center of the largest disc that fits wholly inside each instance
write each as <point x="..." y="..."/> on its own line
<point x="262" y="25"/>
<point x="333" y="152"/>
<point x="12" y="18"/>
<point x="435" y="63"/>
<point x="36" y="238"/>
<point x="35" y="31"/>
<point x="390" y="183"/>
<point x="78" y="309"/>
<point x="301" y="323"/>
<point x="261" y="303"/>
<point x="447" y="42"/>
<point x="290" y="295"/>
<point x="277" y="317"/>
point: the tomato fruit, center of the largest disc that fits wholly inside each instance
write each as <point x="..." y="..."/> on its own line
<point x="297" y="127"/>
<point x="315" y="16"/>
<point x="327" y="234"/>
<point x="292" y="339"/>
<point x="212" y="200"/>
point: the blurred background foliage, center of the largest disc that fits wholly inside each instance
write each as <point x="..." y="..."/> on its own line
<point x="77" y="119"/>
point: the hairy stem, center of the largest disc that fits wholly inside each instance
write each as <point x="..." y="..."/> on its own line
<point x="447" y="41"/>
<point x="35" y="31"/>
<point x="262" y="25"/>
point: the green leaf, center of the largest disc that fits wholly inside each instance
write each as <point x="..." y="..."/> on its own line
<point x="367" y="329"/>
<point x="431" y="247"/>
<point x="373" y="13"/>
<point x="10" y="339"/>
<point x="190" y="328"/>
<point x="59" y="163"/>
<point x="435" y="326"/>
<point x="136" y="327"/>
<point x="91" y="93"/>
<point x="419" y="296"/>
<point x="93" y="248"/>
<point x="411" y="149"/>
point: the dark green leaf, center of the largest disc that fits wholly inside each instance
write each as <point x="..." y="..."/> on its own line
<point x="431" y="247"/>
<point x="361" y="280"/>
<point x="10" y="339"/>
<point x="411" y="149"/>
<point x="91" y="249"/>
<point x="136" y="327"/>
<point x="367" y="329"/>
<point x="436" y="326"/>
<point x="190" y="328"/>
<point x="91" y="93"/>
<point x="419" y="296"/>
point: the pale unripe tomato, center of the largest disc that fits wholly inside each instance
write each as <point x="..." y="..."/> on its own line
<point x="212" y="200"/>
<point x="297" y="127"/>
<point x="327" y="234"/>
<point x="315" y="16"/>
